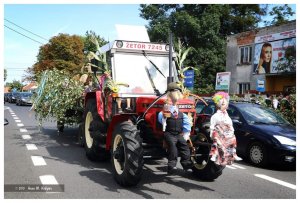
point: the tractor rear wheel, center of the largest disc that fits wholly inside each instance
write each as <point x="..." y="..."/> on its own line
<point x="127" y="154"/>
<point x="94" y="133"/>
<point x="204" y="168"/>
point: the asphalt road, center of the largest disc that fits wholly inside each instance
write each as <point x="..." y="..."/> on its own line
<point x="40" y="157"/>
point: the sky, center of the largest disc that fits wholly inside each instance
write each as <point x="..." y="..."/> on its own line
<point x="47" y="20"/>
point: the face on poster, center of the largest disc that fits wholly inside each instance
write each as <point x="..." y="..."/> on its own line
<point x="268" y="55"/>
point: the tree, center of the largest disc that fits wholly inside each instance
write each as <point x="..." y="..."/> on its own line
<point x="280" y="14"/>
<point x="89" y="45"/>
<point x="29" y="75"/>
<point x="204" y="28"/>
<point x="63" y="52"/>
<point x="17" y="85"/>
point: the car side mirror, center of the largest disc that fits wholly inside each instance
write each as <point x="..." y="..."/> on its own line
<point x="236" y="120"/>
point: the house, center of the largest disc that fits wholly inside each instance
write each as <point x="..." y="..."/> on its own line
<point x="6" y="89"/>
<point x="29" y="87"/>
<point x="262" y="60"/>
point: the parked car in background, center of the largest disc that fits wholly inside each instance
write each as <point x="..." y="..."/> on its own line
<point x="24" y="98"/>
<point x="263" y="136"/>
<point x="6" y="96"/>
<point x="12" y="97"/>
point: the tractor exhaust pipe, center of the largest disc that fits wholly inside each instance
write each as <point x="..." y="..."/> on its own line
<point x="171" y="77"/>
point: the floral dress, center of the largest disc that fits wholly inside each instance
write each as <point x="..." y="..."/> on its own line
<point x="223" y="149"/>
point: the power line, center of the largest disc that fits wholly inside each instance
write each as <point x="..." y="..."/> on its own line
<point x="23" y="35"/>
<point x="11" y="68"/>
<point x="25" y="29"/>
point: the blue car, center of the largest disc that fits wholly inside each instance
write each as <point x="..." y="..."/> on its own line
<point x="263" y="136"/>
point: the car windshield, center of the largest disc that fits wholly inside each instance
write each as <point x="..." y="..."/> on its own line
<point x="26" y="94"/>
<point x="255" y="114"/>
<point x="199" y="107"/>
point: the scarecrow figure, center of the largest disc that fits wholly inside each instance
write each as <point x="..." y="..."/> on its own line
<point x="223" y="150"/>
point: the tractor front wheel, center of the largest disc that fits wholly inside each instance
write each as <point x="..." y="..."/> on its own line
<point x="204" y="168"/>
<point x="127" y="154"/>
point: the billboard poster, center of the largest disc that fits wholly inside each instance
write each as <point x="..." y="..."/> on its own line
<point x="223" y="81"/>
<point x="276" y="36"/>
<point x="275" y="56"/>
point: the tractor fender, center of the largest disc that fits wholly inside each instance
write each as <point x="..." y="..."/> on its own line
<point x="114" y="122"/>
<point x="99" y="103"/>
<point x="89" y="95"/>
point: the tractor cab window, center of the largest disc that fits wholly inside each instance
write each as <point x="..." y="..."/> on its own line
<point x="140" y="74"/>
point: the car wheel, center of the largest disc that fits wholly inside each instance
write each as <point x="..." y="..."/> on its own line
<point x="257" y="154"/>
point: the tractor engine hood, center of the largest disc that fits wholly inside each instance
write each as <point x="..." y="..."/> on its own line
<point x="144" y="102"/>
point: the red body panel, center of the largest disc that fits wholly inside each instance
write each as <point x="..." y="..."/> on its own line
<point x="142" y="103"/>
<point x="100" y="106"/>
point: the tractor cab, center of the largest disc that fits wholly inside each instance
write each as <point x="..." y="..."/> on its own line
<point x="139" y="69"/>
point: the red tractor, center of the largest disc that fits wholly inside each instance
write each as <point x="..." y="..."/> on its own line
<point x="124" y="126"/>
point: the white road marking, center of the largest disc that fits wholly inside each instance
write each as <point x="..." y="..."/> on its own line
<point x="31" y="147"/>
<point x="38" y="161"/>
<point x="230" y="167"/>
<point x="20" y="124"/>
<point x="274" y="180"/>
<point x="237" y="166"/>
<point x="48" y="180"/>
<point x="18" y="121"/>
<point x="23" y="130"/>
<point x="26" y="137"/>
<point x="16" y="118"/>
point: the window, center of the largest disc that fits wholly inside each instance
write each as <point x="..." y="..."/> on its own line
<point x="245" y="55"/>
<point x="243" y="88"/>
<point x="210" y="110"/>
<point x="199" y="107"/>
<point x="233" y="113"/>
